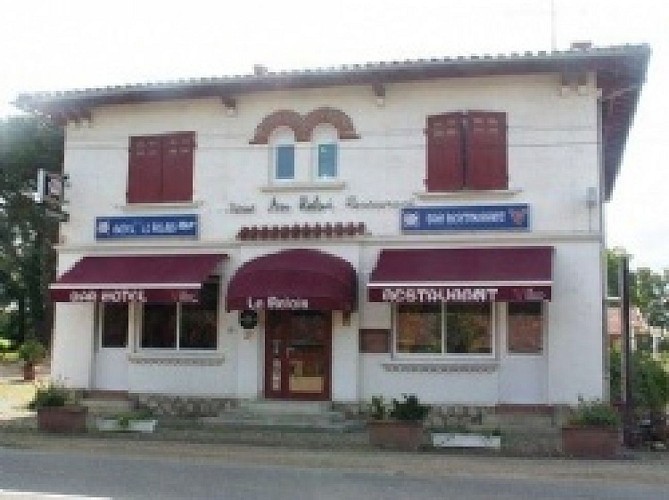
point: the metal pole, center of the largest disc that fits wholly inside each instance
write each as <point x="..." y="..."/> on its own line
<point x="627" y="393"/>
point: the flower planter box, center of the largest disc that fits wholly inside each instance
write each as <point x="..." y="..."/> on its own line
<point x="465" y="440"/>
<point x="62" y="418"/>
<point x="114" y="425"/>
<point x="591" y="442"/>
<point x="395" y="434"/>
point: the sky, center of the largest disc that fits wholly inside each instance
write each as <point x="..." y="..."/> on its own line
<point x="49" y="45"/>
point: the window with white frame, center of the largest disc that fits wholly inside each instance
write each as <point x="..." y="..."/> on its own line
<point x="282" y="152"/>
<point x="443" y="329"/>
<point x="182" y="326"/>
<point x="525" y="326"/>
<point x="326" y="152"/>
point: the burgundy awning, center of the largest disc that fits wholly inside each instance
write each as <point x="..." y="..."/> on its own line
<point x="294" y="279"/>
<point x="135" y="278"/>
<point x="501" y="274"/>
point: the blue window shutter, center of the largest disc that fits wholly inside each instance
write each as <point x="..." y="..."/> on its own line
<point x="327" y="160"/>
<point x="285" y="161"/>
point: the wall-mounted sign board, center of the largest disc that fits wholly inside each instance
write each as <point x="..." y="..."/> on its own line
<point x="150" y="226"/>
<point x="466" y="218"/>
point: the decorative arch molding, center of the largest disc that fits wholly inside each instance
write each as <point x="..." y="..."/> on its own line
<point x="281" y="118"/>
<point x="331" y="116"/>
<point x="303" y="126"/>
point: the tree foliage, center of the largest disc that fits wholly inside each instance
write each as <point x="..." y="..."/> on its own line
<point x="649" y="290"/>
<point x="27" y="259"/>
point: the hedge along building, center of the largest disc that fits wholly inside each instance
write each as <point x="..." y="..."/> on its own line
<point x="430" y="227"/>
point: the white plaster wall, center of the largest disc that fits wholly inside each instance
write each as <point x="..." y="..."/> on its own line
<point x="345" y="363"/>
<point x="575" y="325"/>
<point x="464" y="388"/>
<point x="72" y="345"/>
<point x="552" y="154"/>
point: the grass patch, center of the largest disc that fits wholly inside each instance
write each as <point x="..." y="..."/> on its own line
<point x="10" y="356"/>
<point x="15" y="393"/>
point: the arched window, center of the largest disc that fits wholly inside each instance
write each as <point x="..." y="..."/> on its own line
<point x="282" y="154"/>
<point x="325" y="156"/>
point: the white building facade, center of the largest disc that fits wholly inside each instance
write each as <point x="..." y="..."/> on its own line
<point x="427" y="227"/>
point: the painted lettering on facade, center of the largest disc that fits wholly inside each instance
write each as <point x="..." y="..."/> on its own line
<point x="314" y="204"/>
<point x="438" y="295"/>
<point x="355" y="203"/>
<point x="277" y="303"/>
<point x="241" y="209"/>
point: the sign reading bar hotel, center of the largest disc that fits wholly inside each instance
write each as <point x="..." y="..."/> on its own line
<point x="439" y="294"/>
<point x="146" y="226"/>
<point x="125" y="295"/>
<point x="466" y="218"/>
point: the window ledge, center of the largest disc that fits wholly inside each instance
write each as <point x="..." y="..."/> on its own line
<point x="442" y="367"/>
<point x="177" y="359"/>
<point x="131" y="207"/>
<point x="303" y="186"/>
<point x="465" y="193"/>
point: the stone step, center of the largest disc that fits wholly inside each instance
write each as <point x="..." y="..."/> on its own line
<point x="266" y="406"/>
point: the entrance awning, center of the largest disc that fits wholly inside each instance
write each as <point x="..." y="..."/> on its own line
<point x="294" y="279"/>
<point x="135" y="278"/>
<point x="502" y="274"/>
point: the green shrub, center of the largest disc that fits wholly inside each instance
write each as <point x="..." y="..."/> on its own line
<point x="594" y="413"/>
<point x="650" y="381"/>
<point x="377" y="410"/>
<point x="32" y="351"/>
<point x="409" y="409"/>
<point x="47" y="396"/>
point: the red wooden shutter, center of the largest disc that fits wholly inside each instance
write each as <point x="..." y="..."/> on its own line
<point x="444" y="152"/>
<point x="486" y="157"/>
<point x="144" y="170"/>
<point x="177" y="179"/>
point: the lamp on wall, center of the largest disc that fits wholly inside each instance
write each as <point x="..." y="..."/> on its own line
<point x="230" y="105"/>
<point x="380" y="93"/>
<point x="591" y="197"/>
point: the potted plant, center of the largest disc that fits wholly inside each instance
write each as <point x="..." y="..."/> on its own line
<point x="593" y="431"/>
<point x="54" y="411"/>
<point x="31" y="352"/>
<point x="134" y="421"/>
<point x="403" y="429"/>
<point x="461" y="437"/>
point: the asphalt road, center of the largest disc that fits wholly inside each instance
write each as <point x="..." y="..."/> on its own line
<point x="274" y="473"/>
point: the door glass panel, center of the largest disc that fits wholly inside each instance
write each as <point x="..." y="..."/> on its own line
<point x="114" y="325"/>
<point x="306" y="352"/>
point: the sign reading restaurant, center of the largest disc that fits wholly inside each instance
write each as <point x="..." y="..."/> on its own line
<point x="146" y="226"/>
<point x="466" y="218"/>
<point x="439" y="294"/>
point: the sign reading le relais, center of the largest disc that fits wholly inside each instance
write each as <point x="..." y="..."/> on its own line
<point x="466" y="218"/>
<point x="151" y="226"/>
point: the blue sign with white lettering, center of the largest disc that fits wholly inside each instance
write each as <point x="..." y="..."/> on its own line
<point x="466" y="218"/>
<point x="146" y="226"/>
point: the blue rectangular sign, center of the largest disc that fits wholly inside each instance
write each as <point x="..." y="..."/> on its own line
<point x="146" y="226"/>
<point x="466" y="218"/>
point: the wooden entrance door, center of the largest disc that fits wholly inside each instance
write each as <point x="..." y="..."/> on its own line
<point x="298" y="350"/>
